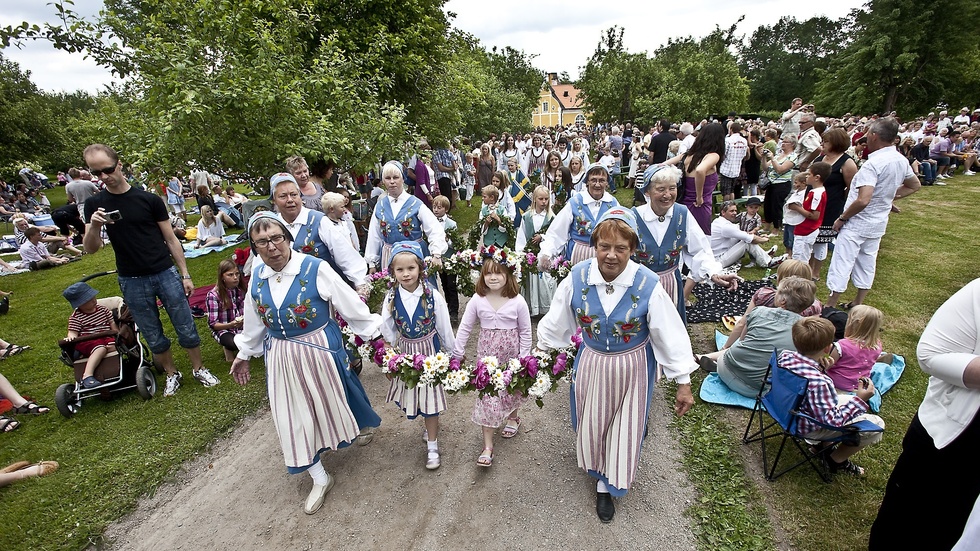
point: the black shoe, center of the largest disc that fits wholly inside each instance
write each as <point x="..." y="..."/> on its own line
<point x="604" y="507"/>
<point x="708" y="364"/>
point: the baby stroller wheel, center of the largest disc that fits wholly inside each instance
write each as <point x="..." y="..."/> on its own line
<point x="146" y="383"/>
<point x="67" y="401"/>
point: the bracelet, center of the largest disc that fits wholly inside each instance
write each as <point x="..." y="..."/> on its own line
<point x="185" y="277"/>
<point x="842" y="219"/>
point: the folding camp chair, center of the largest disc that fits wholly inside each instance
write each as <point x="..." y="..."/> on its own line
<point x="780" y="397"/>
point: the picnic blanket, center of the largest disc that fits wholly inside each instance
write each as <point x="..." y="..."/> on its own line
<point x="191" y="252"/>
<point x="884" y="376"/>
<point x="713" y="302"/>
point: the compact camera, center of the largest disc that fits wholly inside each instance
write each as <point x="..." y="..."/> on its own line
<point x="113" y="216"/>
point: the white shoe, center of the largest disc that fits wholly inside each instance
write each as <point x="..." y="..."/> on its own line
<point x="969" y="173"/>
<point x="205" y="377"/>
<point x="365" y="438"/>
<point x="173" y="383"/>
<point x="751" y="264"/>
<point x="939" y="182"/>
<point x="315" y="500"/>
<point x="432" y="460"/>
<point x="778" y="260"/>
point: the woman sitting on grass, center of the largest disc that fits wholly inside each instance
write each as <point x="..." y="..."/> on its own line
<point x="210" y="230"/>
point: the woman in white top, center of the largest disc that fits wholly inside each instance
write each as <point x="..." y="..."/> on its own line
<point x="210" y="230"/>
<point x="508" y="152"/>
<point x="577" y="168"/>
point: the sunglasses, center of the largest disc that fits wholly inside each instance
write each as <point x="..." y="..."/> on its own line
<point x="98" y="172"/>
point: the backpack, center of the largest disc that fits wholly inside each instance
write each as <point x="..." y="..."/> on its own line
<point x="836" y="317"/>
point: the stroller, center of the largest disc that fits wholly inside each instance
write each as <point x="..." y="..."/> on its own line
<point x="130" y="366"/>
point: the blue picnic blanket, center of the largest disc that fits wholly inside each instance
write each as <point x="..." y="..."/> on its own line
<point x="884" y="376"/>
<point x="191" y="252"/>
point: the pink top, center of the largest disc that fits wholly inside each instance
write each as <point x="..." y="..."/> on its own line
<point x="766" y="296"/>
<point x="854" y="362"/>
<point x="514" y="314"/>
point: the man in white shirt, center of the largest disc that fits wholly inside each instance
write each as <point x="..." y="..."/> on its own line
<point x="809" y="144"/>
<point x="736" y="151"/>
<point x="686" y="135"/>
<point x="729" y="243"/>
<point x="884" y="177"/>
<point x="791" y="118"/>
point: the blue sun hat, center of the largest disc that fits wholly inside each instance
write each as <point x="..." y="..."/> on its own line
<point x="78" y="294"/>
<point x="620" y="213"/>
<point x="648" y="176"/>
<point x="594" y="166"/>
<point x="406" y="247"/>
<point x="278" y="179"/>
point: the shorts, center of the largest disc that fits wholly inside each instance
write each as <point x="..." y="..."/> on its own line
<point x="141" y="293"/>
<point x="85" y="348"/>
<point x="726" y="184"/>
<point x="805" y="246"/>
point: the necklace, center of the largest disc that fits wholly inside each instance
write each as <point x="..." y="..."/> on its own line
<point x="661" y="218"/>
<point x="610" y="289"/>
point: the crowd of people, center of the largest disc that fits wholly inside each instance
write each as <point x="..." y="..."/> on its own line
<point x="825" y="186"/>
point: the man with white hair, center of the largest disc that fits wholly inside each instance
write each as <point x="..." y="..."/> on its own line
<point x="963" y="117"/>
<point x="944" y="120"/>
<point x="809" y="144"/>
<point x="686" y="135"/>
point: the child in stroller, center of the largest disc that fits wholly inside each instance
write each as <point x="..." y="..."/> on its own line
<point x="90" y="319"/>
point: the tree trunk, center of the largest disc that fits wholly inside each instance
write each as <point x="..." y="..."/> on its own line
<point x="891" y="96"/>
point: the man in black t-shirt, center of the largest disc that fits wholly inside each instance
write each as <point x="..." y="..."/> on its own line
<point x="146" y="248"/>
<point x="660" y="143"/>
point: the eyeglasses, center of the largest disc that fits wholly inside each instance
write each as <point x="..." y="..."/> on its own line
<point x="274" y="239"/>
<point x="97" y="172"/>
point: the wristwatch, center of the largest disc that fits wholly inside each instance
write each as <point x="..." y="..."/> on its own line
<point x="185" y="277"/>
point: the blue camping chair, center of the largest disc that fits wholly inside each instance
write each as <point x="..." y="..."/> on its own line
<point x="780" y="397"/>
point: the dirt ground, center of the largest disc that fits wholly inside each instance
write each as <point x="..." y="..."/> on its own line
<point x="239" y="495"/>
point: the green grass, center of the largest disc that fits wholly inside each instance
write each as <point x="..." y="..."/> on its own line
<point x="112" y="452"/>
<point x="925" y="257"/>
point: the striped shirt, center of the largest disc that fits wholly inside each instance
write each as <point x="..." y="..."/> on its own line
<point x="821" y="396"/>
<point x="84" y="324"/>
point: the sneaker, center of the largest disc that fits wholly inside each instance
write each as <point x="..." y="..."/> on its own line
<point x="939" y="182"/>
<point x="205" y="377"/>
<point x="772" y="250"/>
<point x="751" y="264"/>
<point x="173" y="383"/>
<point x="969" y="173"/>
<point x="778" y="260"/>
<point x="846" y="467"/>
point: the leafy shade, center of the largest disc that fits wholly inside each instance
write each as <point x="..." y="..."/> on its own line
<point x="907" y="56"/>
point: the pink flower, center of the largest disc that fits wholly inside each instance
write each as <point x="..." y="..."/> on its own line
<point x="560" y="362"/>
<point x="454" y="364"/>
<point x="577" y="338"/>
<point x="418" y="362"/>
<point x="358" y="341"/>
<point x="481" y="378"/>
<point x="508" y="377"/>
<point x="530" y="363"/>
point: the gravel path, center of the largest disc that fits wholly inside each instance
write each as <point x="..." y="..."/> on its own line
<point x="238" y="495"/>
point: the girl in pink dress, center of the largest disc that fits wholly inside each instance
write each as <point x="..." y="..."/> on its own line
<point x="415" y="318"/>
<point x="505" y="332"/>
<point x="853" y="356"/>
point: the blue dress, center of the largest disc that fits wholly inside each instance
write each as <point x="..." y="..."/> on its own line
<point x="666" y="258"/>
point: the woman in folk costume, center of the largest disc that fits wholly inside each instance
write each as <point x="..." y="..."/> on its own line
<point x="519" y="191"/>
<point x="507" y="153"/>
<point x="670" y="237"/>
<point x="628" y="325"/>
<point x="538" y="288"/>
<point x="570" y="233"/>
<point x="401" y="217"/>
<point x="313" y="234"/>
<point x="535" y="158"/>
<point x="317" y="403"/>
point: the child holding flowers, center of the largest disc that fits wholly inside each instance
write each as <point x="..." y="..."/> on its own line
<point x="493" y="220"/>
<point x="505" y="333"/>
<point x="537" y="289"/>
<point x="416" y="320"/>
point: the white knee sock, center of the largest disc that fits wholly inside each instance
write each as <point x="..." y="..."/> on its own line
<point x="318" y="473"/>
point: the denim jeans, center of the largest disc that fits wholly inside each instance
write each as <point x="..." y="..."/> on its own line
<point x="140" y="294"/>
<point x="928" y="171"/>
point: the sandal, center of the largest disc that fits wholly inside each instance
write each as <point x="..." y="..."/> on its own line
<point x="486" y="458"/>
<point x="31" y="408"/>
<point x="510" y="430"/>
<point x="91" y="382"/>
<point x="7" y="424"/>
<point x="846" y="305"/>
<point x="13" y="350"/>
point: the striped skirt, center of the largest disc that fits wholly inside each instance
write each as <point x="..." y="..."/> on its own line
<point x="425" y="400"/>
<point x="308" y="398"/>
<point x="610" y="397"/>
<point x="580" y="251"/>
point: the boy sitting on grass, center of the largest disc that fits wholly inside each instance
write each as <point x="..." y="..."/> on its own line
<point x="813" y="337"/>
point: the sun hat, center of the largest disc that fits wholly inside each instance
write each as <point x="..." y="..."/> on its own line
<point x="78" y="294"/>
<point x="278" y="179"/>
<point x="619" y="213"/>
<point x="412" y="247"/>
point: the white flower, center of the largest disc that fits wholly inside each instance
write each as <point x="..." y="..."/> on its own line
<point x="514" y="365"/>
<point x="441" y="362"/>
<point x="491" y="363"/>
<point x="541" y="385"/>
<point x="455" y="381"/>
<point x="499" y="380"/>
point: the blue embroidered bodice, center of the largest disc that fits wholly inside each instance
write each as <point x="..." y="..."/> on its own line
<point x="626" y="326"/>
<point x="667" y="254"/>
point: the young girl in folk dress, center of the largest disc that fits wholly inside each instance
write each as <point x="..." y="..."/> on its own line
<point x="416" y="320"/>
<point x="853" y="356"/>
<point x="537" y="289"/>
<point x="505" y="332"/>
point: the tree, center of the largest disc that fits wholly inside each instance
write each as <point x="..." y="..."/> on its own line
<point x="612" y="79"/>
<point x="693" y="79"/>
<point x="782" y="61"/>
<point x="906" y="56"/>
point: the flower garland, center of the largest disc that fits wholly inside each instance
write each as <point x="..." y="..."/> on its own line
<point x="559" y="269"/>
<point x="534" y="375"/>
<point x="474" y="238"/>
<point x="464" y="262"/>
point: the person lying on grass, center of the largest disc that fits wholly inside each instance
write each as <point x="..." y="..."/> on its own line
<point x="814" y="338"/>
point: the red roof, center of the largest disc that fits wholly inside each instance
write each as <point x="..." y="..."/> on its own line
<point x="569" y="101"/>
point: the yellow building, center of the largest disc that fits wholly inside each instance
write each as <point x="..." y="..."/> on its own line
<point x="558" y="104"/>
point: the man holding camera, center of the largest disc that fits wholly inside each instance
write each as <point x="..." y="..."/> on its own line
<point x="146" y="248"/>
<point x="791" y="118"/>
